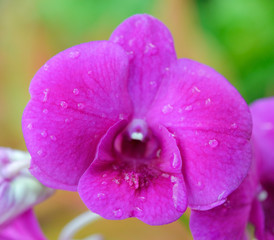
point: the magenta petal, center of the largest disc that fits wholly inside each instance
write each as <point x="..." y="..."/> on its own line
<point x="75" y="98"/>
<point x="23" y="227"/>
<point x="263" y="132"/>
<point x="150" y="49"/>
<point x="153" y="191"/>
<point x="229" y="220"/>
<point x="212" y="125"/>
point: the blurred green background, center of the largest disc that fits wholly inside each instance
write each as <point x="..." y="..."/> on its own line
<point x="235" y="37"/>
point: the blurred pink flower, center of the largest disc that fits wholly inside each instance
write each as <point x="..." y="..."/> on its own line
<point x="138" y="132"/>
<point x="19" y="192"/>
<point x="253" y="201"/>
<point x="24" y="227"/>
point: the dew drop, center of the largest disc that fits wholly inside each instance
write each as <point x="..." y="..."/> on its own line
<point x="213" y="143"/>
<point x="40" y="152"/>
<point x="75" y="91"/>
<point x="29" y="126"/>
<point x="104" y="183"/>
<point x="262" y="196"/>
<point x="207" y="101"/>
<point x="64" y="104"/>
<point x="141" y="198"/>
<point x="221" y="195"/>
<point x="104" y="175"/>
<point x="153" y="83"/>
<point x="101" y="196"/>
<point x="150" y="49"/>
<point x="53" y="138"/>
<point x="175" y="161"/>
<point x="234" y="125"/>
<point x="118" y="213"/>
<point x="130" y="55"/>
<point x="45" y="111"/>
<point x="46" y="67"/>
<point x="74" y="54"/>
<point x="158" y="153"/>
<point x="45" y="92"/>
<point x="167" y="109"/>
<point x="121" y="116"/>
<point x="68" y="120"/>
<point x="80" y="106"/>
<point x="188" y="108"/>
<point x="195" y="89"/>
<point x="139" y="212"/>
<point x="130" y="42"/>
<point x="44" y="134"/>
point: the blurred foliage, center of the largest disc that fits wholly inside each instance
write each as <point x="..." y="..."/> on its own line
<point x="244" y="30"/>
<point x="70" y="20"/>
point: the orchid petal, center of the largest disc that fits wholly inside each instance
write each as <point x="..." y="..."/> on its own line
<point x="212" y="125"/>
<point x="150" y="49"/>
<point x="75" y="98"/>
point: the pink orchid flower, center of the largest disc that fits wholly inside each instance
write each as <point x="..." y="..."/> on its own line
<point x="138" y="132"/>
<point x="253" y="201"/>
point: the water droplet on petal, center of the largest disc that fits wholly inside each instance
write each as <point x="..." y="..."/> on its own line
<point x="63" y="104"/>
<point x="199" y="183"/>
<point x="104" y="175"/>
<point x="150" y="49"/>
<point x="167" y="69"/>
<point x="167" y="109"/>
<point x="75" y="91"/>
<point x="101" y="196"/>
<point x="213" y="143"/>
<point x="158" y="153"/>
<point x="46" y="67"/>
<point x="104" y="183"/>
<point x="141" y="198"/>
<point x="29" y="126"/>
<point x="45" y="111"/>
<point x="44" y="134"/>
<point x="118" y="213"/>
<point x="121" y="116"/>
<point x="130" y="42"/>
<point x="175" y="161"/>
<point x="221" y="195"/>
<point x="53" y="138"/>
<point x="138" y="212"/>
<point x="130" y="55"/>
<point x="234" y="126"/>
<point x="80" y="106"/>
<point x="74" y="54"/>
<point x="207" y="101"/>
<point x="195" y="89"/>
<point x="262" y="196"/>
<point x="188" y="108"/>
<point x="153" y="83"/>
<point x="46" y="91"/>
<point x="40" y="153"/>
